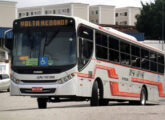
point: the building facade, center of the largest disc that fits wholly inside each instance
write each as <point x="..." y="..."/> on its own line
<point x="127" y="15"/>
<point x="8" y="13"/>
<point x="69" y="9"/>
<point x="102" y="14"/>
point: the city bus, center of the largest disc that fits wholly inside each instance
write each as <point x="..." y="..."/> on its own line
<point x="64" y="58"/>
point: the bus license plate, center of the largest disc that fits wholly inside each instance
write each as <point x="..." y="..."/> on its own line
<point x="37" y="89"/>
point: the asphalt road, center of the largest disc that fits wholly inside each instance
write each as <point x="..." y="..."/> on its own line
<point x="25" y="108"/>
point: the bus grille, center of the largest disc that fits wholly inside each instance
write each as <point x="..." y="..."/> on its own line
<point x="39" y="81"/>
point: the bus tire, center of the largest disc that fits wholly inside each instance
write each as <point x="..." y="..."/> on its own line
<point x="94" y="101"/>
<point x="42" y="103"/>
<point x="103" y="102"/>
<point x="143" y="96"/>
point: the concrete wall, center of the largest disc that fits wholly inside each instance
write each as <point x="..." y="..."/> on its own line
<point x="7" y="13"/>
<point x="107" y="15"/>
<point x="81" y="11"/>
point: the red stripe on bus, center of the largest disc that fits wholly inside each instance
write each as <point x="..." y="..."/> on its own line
<point x="111" y="72"/>
<point x="115" y="91"/>
<point x="158" y="84"/>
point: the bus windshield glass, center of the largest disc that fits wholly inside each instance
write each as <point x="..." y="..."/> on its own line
<point x="45" y="47"/>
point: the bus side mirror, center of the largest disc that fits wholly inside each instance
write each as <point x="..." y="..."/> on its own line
<point x="7" y="43"/>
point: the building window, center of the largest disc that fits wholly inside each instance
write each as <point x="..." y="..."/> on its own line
<point x="116" y="14"/>
<point x="20" y="15"/>
<point x="31" y="13"/>
<point x="54" y="11"/>
<point x="125" y="14"/>
<point x="27" y="13"/>
<point x="97" y="12"/>
<point x="46" y="12"/>
<point x="68" y="10"/>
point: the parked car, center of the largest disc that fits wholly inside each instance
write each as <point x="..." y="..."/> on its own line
<point x="4" y="82"/>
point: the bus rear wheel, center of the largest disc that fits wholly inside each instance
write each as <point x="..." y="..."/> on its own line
<point x="42" y="103"/>
<point x="143" y="97"/>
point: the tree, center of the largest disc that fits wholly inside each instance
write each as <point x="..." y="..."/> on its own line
<point x="151" y="20"/>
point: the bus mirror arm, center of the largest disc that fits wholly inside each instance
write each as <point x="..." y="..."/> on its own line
<point x="7" y="43"/>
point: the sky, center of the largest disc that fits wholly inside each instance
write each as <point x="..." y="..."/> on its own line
<point x="117" y="3"/>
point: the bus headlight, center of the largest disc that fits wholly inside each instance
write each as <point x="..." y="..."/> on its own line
<point x="66" y="78"/>
<point x="17" y="81"/>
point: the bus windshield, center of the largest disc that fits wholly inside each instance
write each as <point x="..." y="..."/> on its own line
<point x="45" y="47"/>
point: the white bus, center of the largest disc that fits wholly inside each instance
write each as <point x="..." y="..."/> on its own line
<point x="61" y="58"/>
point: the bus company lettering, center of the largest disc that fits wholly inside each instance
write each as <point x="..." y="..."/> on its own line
<point x="43" y="23"/>
<point x="135" y="73"/>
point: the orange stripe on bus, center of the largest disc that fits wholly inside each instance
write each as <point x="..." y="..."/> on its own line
<point x="115" y="91"/>
<point x="111" y="72"/>
<point x="158" y="84"/>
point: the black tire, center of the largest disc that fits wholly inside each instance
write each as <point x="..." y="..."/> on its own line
<point x="103" y="102"/>
<point x="42" y="103"/>
<point x="134" y="102"/>
<point x="143" y="96"/>
<point x="95" y="95"/>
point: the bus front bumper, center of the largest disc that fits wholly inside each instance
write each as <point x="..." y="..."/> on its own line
<point x="40" y="89"/>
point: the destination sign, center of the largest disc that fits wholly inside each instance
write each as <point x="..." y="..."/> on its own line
<point x="43" y="23"/>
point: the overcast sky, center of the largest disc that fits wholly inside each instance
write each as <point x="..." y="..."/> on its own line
<point x="117" y="3"/>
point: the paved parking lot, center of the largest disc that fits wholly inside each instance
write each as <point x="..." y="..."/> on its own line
<point x="25" y="108"/>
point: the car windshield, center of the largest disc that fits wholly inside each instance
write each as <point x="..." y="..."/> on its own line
<point x="55" y="47"/>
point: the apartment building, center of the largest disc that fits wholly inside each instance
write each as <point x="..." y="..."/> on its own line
<point x="126" y="15"/>
<point x="8" y="13"/>
<point x="70" y="9"/>
<point x="102" y="14"/>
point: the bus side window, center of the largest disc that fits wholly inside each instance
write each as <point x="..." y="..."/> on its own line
<point x="85" y="46"/>
<point x="101" y="46"/>
<point x="113" y="49"/>
<point x="135" y="56"/>
<point x="145" y="59"/>
<point x="160" y="63"/>
<point x="125" y="53"/>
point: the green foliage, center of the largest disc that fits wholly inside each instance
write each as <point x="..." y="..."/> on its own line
<point x="150" y="21"/>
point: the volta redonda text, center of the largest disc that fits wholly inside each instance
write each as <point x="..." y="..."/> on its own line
<point x="43" y="23"/>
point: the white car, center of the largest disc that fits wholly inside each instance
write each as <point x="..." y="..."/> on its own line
<point x="4" y="82"/>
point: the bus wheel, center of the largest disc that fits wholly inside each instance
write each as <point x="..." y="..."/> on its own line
<point x="143" y="97"/>
<point x="95" y="95"/>
<point x="42" y="103"/>
<point x="103" y="102"/>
